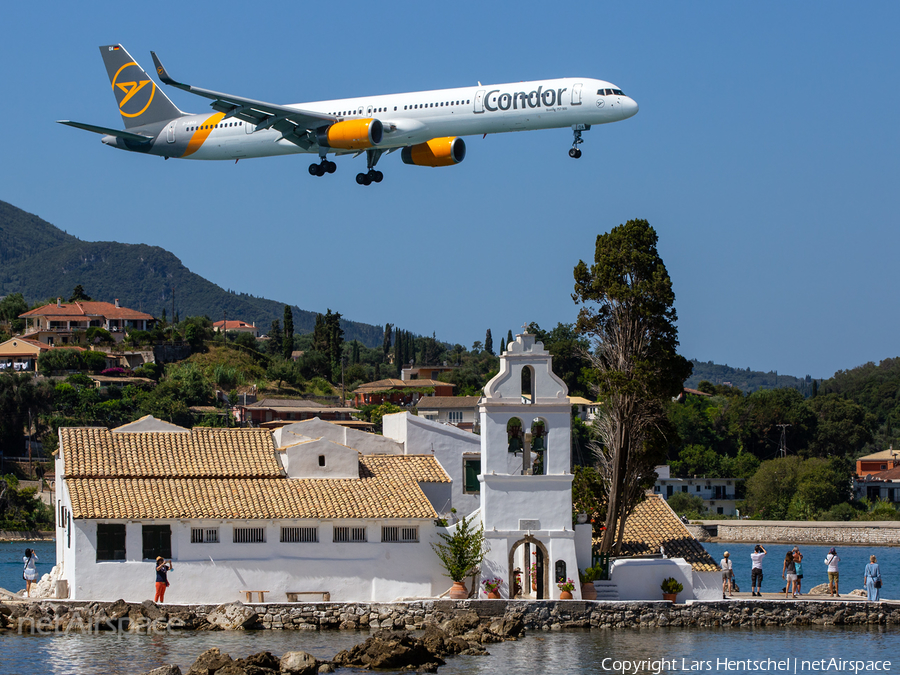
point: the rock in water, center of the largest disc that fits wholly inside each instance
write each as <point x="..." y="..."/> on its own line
<point x="299" y="663"/>
<point x="165" y="670"/>
<point x="231" y="616"/>
<point x="209" y="662"/>
<point x="388" y="651"/>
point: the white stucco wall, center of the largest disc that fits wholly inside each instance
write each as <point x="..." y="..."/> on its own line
<point x="640" y="579"/>
<point x="559" y="546"/>
<point x="213" y="573"/>
<point x="367" y="443"/>
<point x="507" y="500"/>
<point x="449" y="445"/>
<point x="302" y="460"/>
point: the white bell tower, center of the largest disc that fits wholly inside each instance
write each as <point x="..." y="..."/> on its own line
<point x="526" y="479"/>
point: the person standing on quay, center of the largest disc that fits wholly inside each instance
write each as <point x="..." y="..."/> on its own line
<point x="29" y="574"/>
<point x="872" y="579"/>
<point x="832" y="561"/>
<point x="789" y="574"/>
<point x="727" y="575"/>
<point x="756" y="574"/>
<point x="162" y="580"/>
<point x="798" y="559"/>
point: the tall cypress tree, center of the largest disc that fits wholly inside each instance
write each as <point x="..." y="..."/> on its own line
<point x="489" y="342"/>
<point x="287" y="344"/>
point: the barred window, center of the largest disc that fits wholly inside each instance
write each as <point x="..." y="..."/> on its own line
<point x="204" y="535"/>
<point x="249" y="535"/>
<point x="456" y="416"/>
<point x="394" y="533"/>
<point x="299" y="535"/>
<point x="349" y="534"/>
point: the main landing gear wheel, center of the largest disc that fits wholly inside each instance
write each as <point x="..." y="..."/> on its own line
<point x="372" y="176"/>
<point x="575" y="151"/>
<point x="323" y="167"/>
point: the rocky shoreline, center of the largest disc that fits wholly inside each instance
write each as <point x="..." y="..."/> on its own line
<point x="50" y="616"/>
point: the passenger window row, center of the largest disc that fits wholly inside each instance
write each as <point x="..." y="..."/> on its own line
<point x="220" y="125"/>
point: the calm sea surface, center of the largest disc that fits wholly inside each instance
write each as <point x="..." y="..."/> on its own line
<point x="667" y="650"/>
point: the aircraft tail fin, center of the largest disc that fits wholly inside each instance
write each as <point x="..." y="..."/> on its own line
<point x="140" y="101"/>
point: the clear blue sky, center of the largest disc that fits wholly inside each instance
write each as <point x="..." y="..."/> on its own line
<point x="765" y="154"/>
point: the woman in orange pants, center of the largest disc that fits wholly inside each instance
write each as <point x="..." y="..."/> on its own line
<point x="162" y="581"/>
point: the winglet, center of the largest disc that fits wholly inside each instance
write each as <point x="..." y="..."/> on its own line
<point x="164" y="74"/>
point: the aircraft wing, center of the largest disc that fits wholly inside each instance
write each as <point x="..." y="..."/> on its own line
<point x="293" y="124"/>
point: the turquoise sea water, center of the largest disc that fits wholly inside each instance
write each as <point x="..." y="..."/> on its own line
<point x="774" y="650"/>
<point x="815" y="572"/>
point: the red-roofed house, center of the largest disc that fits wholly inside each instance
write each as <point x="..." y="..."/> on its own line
<point x="237" y="327"/>
<point x="58" y="324"/>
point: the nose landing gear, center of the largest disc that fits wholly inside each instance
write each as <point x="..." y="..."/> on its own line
<point x="575" y="151"/>
<point x="323" y="167"/>
<point x="372" y="176"/>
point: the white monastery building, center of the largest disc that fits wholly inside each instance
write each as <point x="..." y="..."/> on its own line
<point x="316" y="511"/>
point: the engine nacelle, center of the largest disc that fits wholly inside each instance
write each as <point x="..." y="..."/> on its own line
<point x="445" y="151"/>
<point x="351" y="134"/>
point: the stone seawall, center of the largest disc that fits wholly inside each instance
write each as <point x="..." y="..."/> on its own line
<point x="826" y="534"/>
<point x="54" y="616"/>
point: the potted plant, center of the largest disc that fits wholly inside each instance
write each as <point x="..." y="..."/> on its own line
<point x="565" y="589"/>
<point x="517" y="583"/>
<point x="587" y="578"/>
<point x="460" y="553"/>
<point x="492" y="587"/>
<point x="671" y="587"/>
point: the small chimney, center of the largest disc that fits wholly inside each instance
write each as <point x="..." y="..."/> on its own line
<point x="59" y="302"/>
<point x="117" y="302"/>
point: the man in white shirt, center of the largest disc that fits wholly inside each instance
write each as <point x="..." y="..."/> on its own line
<point x="756" y="573"/>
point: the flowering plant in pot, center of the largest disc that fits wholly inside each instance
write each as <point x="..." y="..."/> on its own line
<point x="565" y="589"/>
<point x="492" y="587"/>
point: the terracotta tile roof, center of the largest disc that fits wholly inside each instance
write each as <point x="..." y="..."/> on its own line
<point x="448" y="402"/>
<point x="393" y="383"/>
<point x="222" y="473"/>
<point x="71" y="310"/>
<point x="654" y="524"/>
<point x="888" y="475"/>
<point x="203" y="453"/>
<point x="890" y="453"/>
<point x="233" y="325"/>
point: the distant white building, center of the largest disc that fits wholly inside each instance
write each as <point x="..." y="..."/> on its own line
<point x="718" y="494"/>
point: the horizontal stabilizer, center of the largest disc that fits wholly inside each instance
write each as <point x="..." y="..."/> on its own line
<point x="127" y="135"/>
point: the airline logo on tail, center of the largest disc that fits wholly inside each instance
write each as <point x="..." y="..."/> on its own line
<point x="131" y="90"/>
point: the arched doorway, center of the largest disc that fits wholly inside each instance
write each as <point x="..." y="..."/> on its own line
<point x="523" y="554"/>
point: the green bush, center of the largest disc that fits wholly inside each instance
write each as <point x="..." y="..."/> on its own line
<point x="671" y="585"/>
<point x="463" y="550"/>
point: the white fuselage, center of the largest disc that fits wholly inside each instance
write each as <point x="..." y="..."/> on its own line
<point x="413" y="118"/>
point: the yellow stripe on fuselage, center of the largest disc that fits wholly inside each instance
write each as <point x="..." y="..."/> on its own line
<point x="202" y="133"/>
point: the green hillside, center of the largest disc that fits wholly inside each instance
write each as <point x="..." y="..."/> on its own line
<point x="745" y="379"/>
<point x="40" y="261"/>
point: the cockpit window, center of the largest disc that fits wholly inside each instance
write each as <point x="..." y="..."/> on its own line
<point x="618" y="92"/>
<point x="610" y="92"/>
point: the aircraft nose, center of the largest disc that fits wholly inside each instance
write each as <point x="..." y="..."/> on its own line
<point x="630" y="107"/>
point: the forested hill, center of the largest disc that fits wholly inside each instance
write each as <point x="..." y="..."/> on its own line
<point x="41" y="262"/>
<point x="745" y="379"/>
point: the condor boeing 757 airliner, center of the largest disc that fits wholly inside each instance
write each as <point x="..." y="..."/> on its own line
<point x="425" y="126"/>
